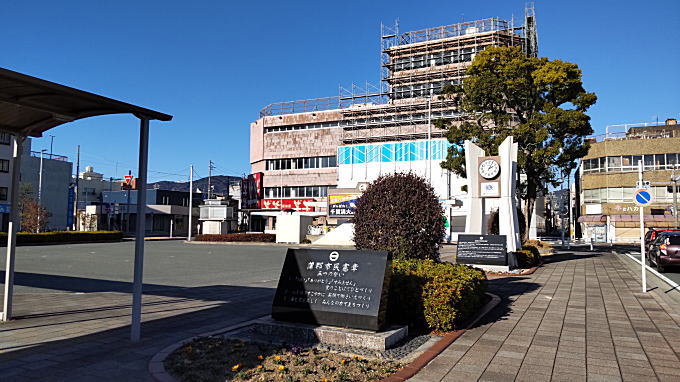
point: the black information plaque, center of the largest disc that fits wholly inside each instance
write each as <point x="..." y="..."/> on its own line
<point x="344" y="288"/>
<point x="482" y="249"/>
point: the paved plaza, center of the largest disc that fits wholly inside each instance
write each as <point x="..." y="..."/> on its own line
<point x="581" y="316"/>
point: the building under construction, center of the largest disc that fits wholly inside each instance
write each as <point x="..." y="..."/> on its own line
<point x="304" y="148"/>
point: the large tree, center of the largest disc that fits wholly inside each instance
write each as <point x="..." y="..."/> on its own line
<point x="540" y="102"/>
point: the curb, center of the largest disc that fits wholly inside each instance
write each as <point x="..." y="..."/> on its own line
<point x="259" y="243"/>
<point x="157" y="368"/>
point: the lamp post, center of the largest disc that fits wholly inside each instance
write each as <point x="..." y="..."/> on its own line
<point x="42" y="152"/>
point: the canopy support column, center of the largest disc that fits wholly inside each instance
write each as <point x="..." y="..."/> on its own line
<point x="140" y="228"/>
<point x="13" y="226"/>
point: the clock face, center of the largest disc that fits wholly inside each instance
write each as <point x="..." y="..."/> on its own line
<point x="489" y="168"/>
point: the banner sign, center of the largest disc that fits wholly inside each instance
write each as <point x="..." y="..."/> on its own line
<point x="69" y="206"/>
<point x="251" y="191"/>
<point x="288" y="204"/>
<point x="342" y="205"/>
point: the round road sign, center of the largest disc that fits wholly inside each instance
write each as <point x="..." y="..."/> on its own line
<point x="642" y="197"/>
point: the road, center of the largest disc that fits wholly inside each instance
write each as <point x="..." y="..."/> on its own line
<point x="81" y="267"/>
<point x="671" y="273"/>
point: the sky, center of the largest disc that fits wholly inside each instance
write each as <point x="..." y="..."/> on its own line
<point x="213" y="64"/>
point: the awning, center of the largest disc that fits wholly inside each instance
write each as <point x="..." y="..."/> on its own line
<point x="647" y="218"/>
<point x="30" y="106"/>
<point x="592" y="219"/>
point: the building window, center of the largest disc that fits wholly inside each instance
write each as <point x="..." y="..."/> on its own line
<point x="629" y="163"/>
<point x="301" y="163"/>
<point x="307" y="126"/>
<point x="3" y="193"/>
<point x="5" y="138"/>
<point x="4" y="165"/>
<point x="296" y="192"/>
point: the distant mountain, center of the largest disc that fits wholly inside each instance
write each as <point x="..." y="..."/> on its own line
<point x="220" y="184"/>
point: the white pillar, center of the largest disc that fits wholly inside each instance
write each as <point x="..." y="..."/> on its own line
<point x="508" y="224"/>
<point x="474" y="221"/>
<point x="13" y="226"/>
<point x="135" y="329"/>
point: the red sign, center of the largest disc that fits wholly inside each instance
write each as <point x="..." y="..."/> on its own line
<point x="288" y="204"/>
<point x="128" y="179"/>
<point x="251" y="191"/>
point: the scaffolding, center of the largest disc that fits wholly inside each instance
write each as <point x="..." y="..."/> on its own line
<point x="414" y="68"/>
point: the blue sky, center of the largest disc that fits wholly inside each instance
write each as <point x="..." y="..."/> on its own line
<point x="215" y="64"/>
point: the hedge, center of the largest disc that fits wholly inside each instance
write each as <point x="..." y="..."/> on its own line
<point x="528" y="257"/>
<point x="247" y="237"/>
<point x="434" y="297"/>
<point x="63" y="237"/>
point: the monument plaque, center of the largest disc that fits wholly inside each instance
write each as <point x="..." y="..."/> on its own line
<point x="344" y="288"/>
<point x="482" y="249"/>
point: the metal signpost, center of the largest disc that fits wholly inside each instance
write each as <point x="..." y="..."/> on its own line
<point x="642" y="198"/>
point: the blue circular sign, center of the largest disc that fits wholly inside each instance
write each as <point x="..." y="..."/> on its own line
<point x="643" y="197"/>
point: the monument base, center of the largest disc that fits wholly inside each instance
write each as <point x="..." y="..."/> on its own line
<point x="270" y="330"/>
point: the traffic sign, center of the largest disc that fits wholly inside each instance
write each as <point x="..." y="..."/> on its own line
<point x="128" y="179"/>
<point x="642" y="197"/>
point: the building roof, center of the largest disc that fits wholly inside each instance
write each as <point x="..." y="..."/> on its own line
<point x="30" y="106"/>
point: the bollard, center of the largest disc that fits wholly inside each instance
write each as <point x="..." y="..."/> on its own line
<point x="591" y="244"/>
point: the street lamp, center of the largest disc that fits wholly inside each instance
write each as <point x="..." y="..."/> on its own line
<point x="42" y="152"/>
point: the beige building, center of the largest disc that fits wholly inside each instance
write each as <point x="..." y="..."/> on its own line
<point x="608" y="177"/>
<point x="304" y="148"/>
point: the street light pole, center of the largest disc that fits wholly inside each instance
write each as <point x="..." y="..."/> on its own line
<point x="191" y="201"/>
<point x="40" y="187"/>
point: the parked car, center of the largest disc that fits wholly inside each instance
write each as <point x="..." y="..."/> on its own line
<point x="652" y="233"/>
<point x="665" y="251"/>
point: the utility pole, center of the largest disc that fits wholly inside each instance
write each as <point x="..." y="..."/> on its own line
<point x="675" y="197"/>
<point x="191" y="200"/>
<point x="77" y="190"/>
<point x="210" y="168"/>
<point x="42" y="152"/>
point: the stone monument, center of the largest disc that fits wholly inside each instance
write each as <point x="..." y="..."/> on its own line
<point x="343" y="288"/>
<point x="492" y="183"/>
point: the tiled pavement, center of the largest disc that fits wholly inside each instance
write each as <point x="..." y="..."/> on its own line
<point x="579" y="317"/>
<point x="85" y="337"/>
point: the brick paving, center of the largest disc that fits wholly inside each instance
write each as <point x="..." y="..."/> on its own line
<point x="581" y="317"/>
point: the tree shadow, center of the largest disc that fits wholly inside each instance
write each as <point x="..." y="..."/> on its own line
<point x="506" y="288"/>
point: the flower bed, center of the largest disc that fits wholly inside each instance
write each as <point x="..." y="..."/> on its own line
<point x="219" y="359"/>
<point x="239" y="237"/>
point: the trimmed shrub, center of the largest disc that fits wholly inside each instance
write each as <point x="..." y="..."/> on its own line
<point x="63" y="237"/>
<point x="538" y="244"/>
<point x="401" y="214"/>
<point x="534" y="251"/>
<point x="527" y="258"/>
<point x="437" y="297"/>
<point x="240" y="237"/>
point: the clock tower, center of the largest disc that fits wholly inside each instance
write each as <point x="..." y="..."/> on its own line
<point x="492" y="184"/>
